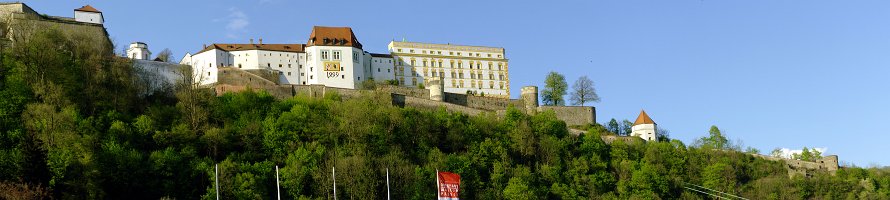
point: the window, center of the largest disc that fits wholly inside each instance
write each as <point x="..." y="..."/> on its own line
<point x="412" y="50"/>
<point x="342" y="76"/>
<point x="424" y="51"/>
<point x="378" y="69"/>
<point x="325" y="55"/>
<point x="413" y="81"/>
<point x="451" y="53"/>
<point x="354" y="57"/>
<point x="336" y="55"/>
<point x="491" y="85"/>
<point x="442" y="74"/>
<point x="489" y="66"/>
<point x="399" y="50"/>
<point x="288" y="73"/>
<point x="279" y="65"/>
<point x="412" y="62"/>
<point x="440" y="63"/>
<point x="239" y="65"/>
<point x="401" y="81"/>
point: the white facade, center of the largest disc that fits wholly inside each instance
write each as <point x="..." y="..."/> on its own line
<point x="464" y="69"/>
<point x="381" y="67"/>
<point x="138" y="51"/>
<point x="205" y="65"/>
<point x="335" y="66"/>
<point x="334" y="58"/>
<point x="88" y="17"/>
<point x="645" y="131"/>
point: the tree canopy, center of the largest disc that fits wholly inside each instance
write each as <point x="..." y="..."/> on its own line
<point x="554" y="92"/>
<point x="73" y="127"/>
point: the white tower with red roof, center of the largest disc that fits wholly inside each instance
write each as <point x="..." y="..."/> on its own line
<point x="644" y="127"/>
<point x="88" y="14"/>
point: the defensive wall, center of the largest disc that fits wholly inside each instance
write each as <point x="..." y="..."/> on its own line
<point x="806" y="168"/>
<point x="233" y="80"/>
<point x="19" y="22"/>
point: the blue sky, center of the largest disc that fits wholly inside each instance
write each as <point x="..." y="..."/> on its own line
<point x="770" y="73"/>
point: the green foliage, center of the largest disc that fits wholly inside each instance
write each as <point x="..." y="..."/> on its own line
<point x="555" y="88"/>
<point x="73" y="127"/>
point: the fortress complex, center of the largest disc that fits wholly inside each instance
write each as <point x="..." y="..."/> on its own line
<point x="18" y="23"/>
<point x="333" y="56"/>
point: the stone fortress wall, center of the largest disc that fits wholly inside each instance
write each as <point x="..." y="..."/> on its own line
<point x="233" y="79"/>
<point x="18" y="22"/>
<point x="806" y="168"/>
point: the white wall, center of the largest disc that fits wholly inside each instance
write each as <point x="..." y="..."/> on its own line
<point x="381" y="69"/>
<point x="88" y="17"/>
<point x="645" y="131"/>
<point x="490" y="79"/>
<point x="205" y="65"/>
<point x="352" y="71"/>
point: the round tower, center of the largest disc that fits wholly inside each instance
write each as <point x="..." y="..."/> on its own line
<point x="138" y="51"/>
<point x="529" y="95"/>
<point x="644" y="127"/>
<point x="437" y="89"/>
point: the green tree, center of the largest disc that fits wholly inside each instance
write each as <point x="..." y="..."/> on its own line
<point x="555" y="87"/>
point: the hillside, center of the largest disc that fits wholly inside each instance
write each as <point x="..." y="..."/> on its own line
<point x="73" y="125"/>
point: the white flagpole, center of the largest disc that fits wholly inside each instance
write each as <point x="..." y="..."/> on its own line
<point x="437" y="185"/>
<point x="216" y="177"/>
<point x="277" y="183"/>
<point x="387" y="183"/>
<point x="334" y="176"/>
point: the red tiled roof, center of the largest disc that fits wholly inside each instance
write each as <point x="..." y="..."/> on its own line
<point x="297" y="48"/>
<point x="643" y="119"/>
<point x="333" y="36"/>
<point x="88" y="8"/>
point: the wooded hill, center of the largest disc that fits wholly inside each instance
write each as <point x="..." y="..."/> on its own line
<point x="73" y="125"/>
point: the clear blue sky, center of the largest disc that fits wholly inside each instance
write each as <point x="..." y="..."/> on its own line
<point x="771" y="73"/>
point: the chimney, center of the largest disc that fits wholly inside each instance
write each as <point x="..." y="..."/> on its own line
<point x="251" y="40"/>
<point x="261" y="40"/>
<point x="205" y="46"/>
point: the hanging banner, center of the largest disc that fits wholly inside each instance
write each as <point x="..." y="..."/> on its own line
<point x="448" y="184"/>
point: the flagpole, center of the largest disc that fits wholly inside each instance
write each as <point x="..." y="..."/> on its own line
<point x="387" y="183"/>
<point x="277" y="183"/>
<point x="437" y="184"/>
<point x="216" y="177"/>
<point x="334" y="176"/>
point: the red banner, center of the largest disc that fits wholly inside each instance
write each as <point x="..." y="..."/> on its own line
<point x="449" y="185"/>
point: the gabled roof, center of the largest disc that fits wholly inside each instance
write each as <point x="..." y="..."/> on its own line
<point x="643" y="119"/>
<point x="333" y="36"/>
<point x="296" y="48"/>
<point x="88" y="8"/>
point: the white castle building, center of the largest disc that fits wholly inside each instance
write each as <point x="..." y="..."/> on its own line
<point x="644" y="127"/>
<point x="334" y="57"/>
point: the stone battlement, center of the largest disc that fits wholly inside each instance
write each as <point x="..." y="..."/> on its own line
<point x="806" y="168"/>
<point x="233" y="80"/>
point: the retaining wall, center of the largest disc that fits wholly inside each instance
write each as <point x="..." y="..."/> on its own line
<point x="573" y="115"/>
